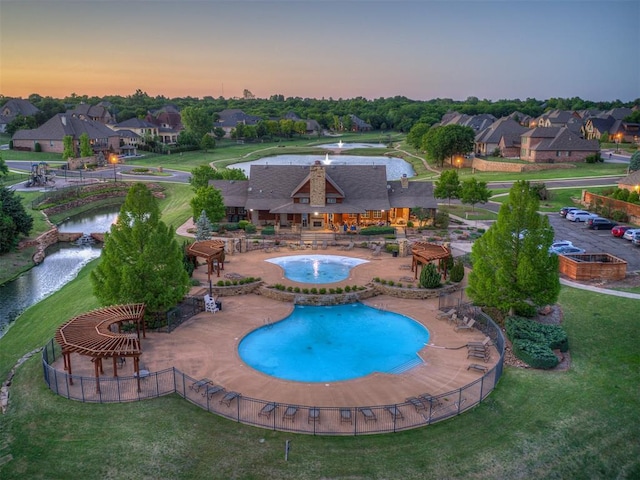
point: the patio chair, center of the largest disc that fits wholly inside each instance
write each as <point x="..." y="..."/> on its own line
<point x="210" y="304"/>
<point x="483" y="355"/>
<point x="324" y="245"/>
<point x="290" y="413"/>
<point x="348" y="247"/>
<point x="478" y="367"/>
<point x="229" y="397"/>
<point x="267" y="410"/>
<point x="314" y="415"/>
<point x="446" y="315"/>
<point x="196" y="386"/>
<point x="345" y="415"/>
<point x="211" y="390"/>
<point x="430" y="400"/>
<point x="395" y="412"/>
<point x="377" y="251"/>
<point x="314" y="245"/>
<point x="483" y="345"/>
<point x="417" y="403"/>
<point x="465" y="326"/>
<point x="368" y="414"/>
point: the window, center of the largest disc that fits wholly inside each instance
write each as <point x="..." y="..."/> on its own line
<point x="377" y="214"/>
<point x="331" y="200"/>
<point x="304" y="200"/>
<point x="353" y="215"/>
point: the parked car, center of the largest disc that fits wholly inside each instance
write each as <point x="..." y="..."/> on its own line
<point x="599" y="223"/>
<point x="567" y="250"/>
<point x="565" y="210"/>
<point x="628" y="235"/>
<point x="618" y="230"/>
<point x="636" y="239"/>
<point x="558" y="244"/>
<point x="579" y="215"/>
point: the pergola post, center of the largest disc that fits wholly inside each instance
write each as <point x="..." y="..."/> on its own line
<point x="97" y="376"/>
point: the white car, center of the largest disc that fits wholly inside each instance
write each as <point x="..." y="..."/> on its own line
<point x="628" y="235"/>
<point x="580" y="216"/>
<point x="560" y="243"/>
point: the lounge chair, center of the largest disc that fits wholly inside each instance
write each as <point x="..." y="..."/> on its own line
<point x="290" y="413"/>
<point x="229" y="397"/>
<point x="314" y="245"/>
<point x="465" y="326"/>
<point x="211" y="390"/>
<point x="478" y="367"/>
<point x="210" y="304"/>
<point x="377" y="251"/>
<point x="417" y="403"/>
<point x="368" y="414"/>
<point x="324" y="245"/>
<point x="396" y="414"/>
<point x="196" y="386"/>
<point x="348" y="247"/>
<point x="446" y="315"/>
<point x="479" y="345"/>
<point x="267" y="410"/>
<point x="483" y="355"/>
<point x="314" y="415"/>
<point x="345" y="415"/>
<point x="430" y="400"/>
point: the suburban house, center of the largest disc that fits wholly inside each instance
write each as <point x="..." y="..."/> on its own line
<point x="613" y="130"/>
<point x="554" y="145"/>
<point x="359" y="125"/>
<point x="97" y="113"/>
<point x="323" y="197"/>
<point x="13" y="108"/>
<point x="228" y="120"/>
<point x="169" y="123"/>
<point x="50" y="135"/>
<point x="313" y="127"/>
<point x="631" y="182"/>
<point x="488" y="140"/>
<point x="521" y="118"/>
<point x="141" y="128"/>
<point x="477" y="122"/>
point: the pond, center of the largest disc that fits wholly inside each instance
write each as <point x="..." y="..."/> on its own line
<point x="396" y="167"/>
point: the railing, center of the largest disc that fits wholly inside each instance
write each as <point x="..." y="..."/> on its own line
<point x="309" y="419"/>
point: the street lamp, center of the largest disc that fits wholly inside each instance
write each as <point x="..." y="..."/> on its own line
<point x="113" y="159"/>
<point x="618" y="138"/>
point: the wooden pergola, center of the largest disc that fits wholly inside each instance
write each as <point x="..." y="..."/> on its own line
<point x="212" y="251"/>
<point x="90" y="334"/>
<point x="425" y="252"/>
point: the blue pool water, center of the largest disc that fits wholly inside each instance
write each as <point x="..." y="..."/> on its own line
<point x="316" y="268"/>
<point x="327" y="344"/>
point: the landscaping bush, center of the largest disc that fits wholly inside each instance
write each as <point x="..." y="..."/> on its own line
<point x="534" y="354"/>
<point x="429" y="276"/>
<point x="243" y="223"/>
<point x="551" y="336"/>
<point x="269" y="230"/>
<point x="377" y="231"/>
<point x="37" y="147"/>
<point x="457" y="272"/>
<point x="442" y="219"/>
<point x="250" y="228"/>
<point x="524" y="309"/>
<point x="619" y="215"/>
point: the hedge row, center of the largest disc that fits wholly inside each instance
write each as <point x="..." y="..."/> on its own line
<point x="534" y="342"/>
<point x="377" y="231"/>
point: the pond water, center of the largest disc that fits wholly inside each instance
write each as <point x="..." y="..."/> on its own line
<point x="316" y="268"/>
<point x="62" y="264"/>
<point x="351" y="145"/>
<point x="396" y="167"/>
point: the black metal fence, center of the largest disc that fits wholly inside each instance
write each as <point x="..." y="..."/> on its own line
<point x="310" y="419"/>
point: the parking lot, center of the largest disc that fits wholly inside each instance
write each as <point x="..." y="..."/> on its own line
<point x="596" y="241"/>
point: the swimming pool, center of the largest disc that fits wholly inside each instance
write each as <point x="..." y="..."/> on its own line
<point x="333" y="343"/>
<point x="316" y="268"/>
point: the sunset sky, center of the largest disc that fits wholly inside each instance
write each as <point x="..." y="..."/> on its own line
<point x="315" y="48"/>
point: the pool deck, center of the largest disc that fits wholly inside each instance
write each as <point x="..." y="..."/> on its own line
<point x="205" y="346"/>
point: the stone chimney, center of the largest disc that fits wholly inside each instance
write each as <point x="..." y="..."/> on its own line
<point x="318" y="185"/>
<point x="404" y="181"/>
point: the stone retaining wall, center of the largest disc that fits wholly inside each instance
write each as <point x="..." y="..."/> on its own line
<point x="318" y="299"/>
<point x="234" y="290"/>
<point x="489" y="166"/>
<point x="416" y="293"/>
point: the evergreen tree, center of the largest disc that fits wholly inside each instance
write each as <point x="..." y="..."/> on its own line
<point x="14" y="220"/>
<point x="634" y="162"/>
<point x="85" y="146"/>
<point x="429" y="276"/>
<point x="68" y="150"/>
<point x="203" y="228"/>
<point x="141" y="261"/>
<point x="511" y="262"/>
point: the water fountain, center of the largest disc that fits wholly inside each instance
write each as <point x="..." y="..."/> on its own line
<point x="340" y="144"/>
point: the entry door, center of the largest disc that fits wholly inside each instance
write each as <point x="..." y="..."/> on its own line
<point x="305" y="220"/>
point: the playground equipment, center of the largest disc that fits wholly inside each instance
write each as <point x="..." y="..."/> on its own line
<point x="39" y="176"/>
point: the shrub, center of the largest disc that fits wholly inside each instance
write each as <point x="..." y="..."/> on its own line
<point x="392" y="247"/>
<point x="269" y="230"/>
<point x="37" y="147"/>
<point x="339" y="290"/>
<point x="391" y="283"/>
<point x="305" y="291"/>
<point x="524" y="309"/>
<point x="409" y="224"/>
<point x="220" y="283"/>
<point x="594" y="158"/>
<point x="534" y="354"/>
<point x="250" y="228"/>
<point x="619" y="215"/>
<point x="289" y="288"/>
<point x="457" y="272"/>
<point x="332" y="291"/>
<point x="243" y="223"/>
<point x="348" y="288"/>
<point x="322" y="291"/>
<point x="376" y="279"/>
<point x="548" y="336"/>
<point x="442" y="219"/>
<point x="296" y="290"/>
<point x="314" y="291"/>
<point x="377" y="230"/>
<point x="429" y="276"/>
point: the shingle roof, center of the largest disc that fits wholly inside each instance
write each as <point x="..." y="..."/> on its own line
<point x="632" y="179"/>
<point x="135" y="123"/>
<point x="365" y="187"/>
<point x="564" y="139"/>
<point x="61" y="125"/>
<point x="495" y="131"/>
<point x="231" y="117"/>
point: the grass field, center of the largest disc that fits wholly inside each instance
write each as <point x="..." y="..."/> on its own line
<point x="570" y="425"/>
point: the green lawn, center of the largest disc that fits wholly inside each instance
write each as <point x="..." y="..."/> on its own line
<point x="560" y="197"/>
<point x="466" y="212"/>
<point x="571" y="425"/>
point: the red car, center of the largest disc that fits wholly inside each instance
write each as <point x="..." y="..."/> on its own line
<point x="618" y="230"/>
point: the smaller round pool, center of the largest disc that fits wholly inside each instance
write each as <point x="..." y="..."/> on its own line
<point x="316" y="268"/>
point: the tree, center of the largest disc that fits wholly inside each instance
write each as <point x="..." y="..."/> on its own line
<point x="512" y="266"/>
<point x="14" y="220"/>
<point x="448" y="141"/>
<point x="203" y="227"/>
<point x="634" y="163"/>
<point x="207" y="142"/>
<point x="473" y="191"/>
<point x="201" y="175"/>
<point x="4" y="169"/>
<point x="210" y="200"/>
<point x="85" y="146"/>
<point x="141" y="261"/>
<point x="448" y="186"/>
<point x="197" y="121"/>
<point x="219" y="132"/>
<point x="68" y="150"/>
<point x="414" y="137"/>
